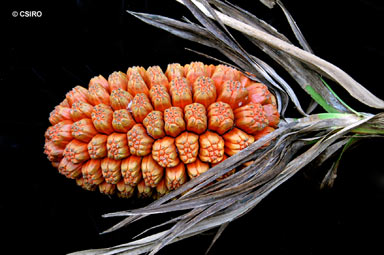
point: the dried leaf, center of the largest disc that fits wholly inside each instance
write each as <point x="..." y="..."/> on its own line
<point x="296" y="30"/>
<point x="354" y="88"/>
<point x="269" y="3"/>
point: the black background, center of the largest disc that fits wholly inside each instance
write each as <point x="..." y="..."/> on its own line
<point x="73" y="41"/>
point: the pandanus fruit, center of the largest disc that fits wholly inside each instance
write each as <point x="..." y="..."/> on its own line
<point x="150" y="132"/>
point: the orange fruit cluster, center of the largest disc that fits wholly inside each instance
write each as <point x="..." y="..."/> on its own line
<point x="151" y="131"/>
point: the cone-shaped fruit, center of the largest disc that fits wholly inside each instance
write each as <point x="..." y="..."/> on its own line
<point x="148" y="131"/>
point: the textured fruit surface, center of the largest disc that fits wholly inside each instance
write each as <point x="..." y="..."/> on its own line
<point x="147" y="132"/>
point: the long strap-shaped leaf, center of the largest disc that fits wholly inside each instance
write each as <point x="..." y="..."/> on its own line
<point x="354" y="88"/>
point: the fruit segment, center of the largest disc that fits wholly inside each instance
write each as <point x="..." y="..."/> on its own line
<point x="236" y="140"/>
<point x="98" y="94"/>
<point x="117" y="80"/>
<point x="60" y="113"/>
<point x="76" y="152"/>
<point x="111" y="170"/>
<point x="131" y="170"/>
<point x="224" y="73"/>
<point x="120" y="99"/>
<point x="140" y="144"/>
<point x="107" y="188"/>
<point x="122" y="121"/>
<point x="136" y="83"/>
<point x="258" y="93"/>
<point x="100" y="80"/>
<point x="124" y="190"/>
<point x="220" y="117"/>
<point x="77" y="94"/>
<point x="211" y="147"/>
<point x="117" y="146"/>
<point x="181" y="92"/>
<point x="83" y="130"/>
<point x="154" y="124"/>
<point x="174" y="121"/>
<point x="204" y="91"/>
<point x="152" y="171"/>
<point x="164" y="152"/>
<point x="233" y="93"/>
<point x="140" y="107"/>
<point x="160" y="97"/>
<point x="69" y="169"/>
<point x="188" y="146"/>
<point x="196" y="168"/>
<point x="97" y="147"/>
<point x="196" y="118"/>
<point x="92" y="172"/>
<point x="154" y="75"/>
<point x="81" y="110"/>
<point x="102" y="117"/>
<point x="175" y="176"/>
<point x="173" y="71"/>
<point x="60" y="134"/>
<point x="251" y="118"/>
